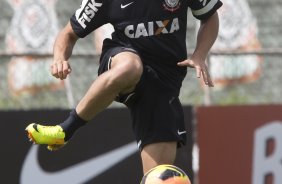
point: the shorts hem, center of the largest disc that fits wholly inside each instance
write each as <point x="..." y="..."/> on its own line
<point x="180" y="142"/>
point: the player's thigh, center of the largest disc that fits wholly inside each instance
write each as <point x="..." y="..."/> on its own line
<point x="126" y="58"/>
<point x="127" y="65"/>
<point x="124" y="65"/>
<point x="158" y="153"/>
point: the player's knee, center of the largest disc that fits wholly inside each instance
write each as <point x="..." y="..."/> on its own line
<point x="133" y="70"/>
<point x="128" y="72"/>
<point x="157" y="154"/>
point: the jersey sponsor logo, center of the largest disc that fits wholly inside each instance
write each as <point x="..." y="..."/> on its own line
<point x="171" y="5"/>
<point x="152" y="28"/>
<point x="87" y="12"/>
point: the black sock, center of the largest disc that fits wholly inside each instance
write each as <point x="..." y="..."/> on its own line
<point x="71" y="124"/>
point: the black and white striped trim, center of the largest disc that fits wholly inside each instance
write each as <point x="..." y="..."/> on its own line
<point x="205" y="9"/>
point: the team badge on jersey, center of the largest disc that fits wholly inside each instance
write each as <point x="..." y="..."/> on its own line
<point x="171" y="5"/>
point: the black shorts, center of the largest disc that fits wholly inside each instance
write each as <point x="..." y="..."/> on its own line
<point x="157" y="114"/>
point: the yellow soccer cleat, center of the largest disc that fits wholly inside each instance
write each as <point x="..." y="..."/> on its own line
<point x="53" y="136"/>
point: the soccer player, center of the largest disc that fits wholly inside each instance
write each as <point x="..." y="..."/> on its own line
<point x="142" y="66"/>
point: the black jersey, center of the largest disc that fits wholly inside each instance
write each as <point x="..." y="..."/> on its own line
<point x="156" y="29"/>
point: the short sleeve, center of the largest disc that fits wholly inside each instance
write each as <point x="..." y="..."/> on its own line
<point x="202" y="9"/>
<point x="91" y="15"/>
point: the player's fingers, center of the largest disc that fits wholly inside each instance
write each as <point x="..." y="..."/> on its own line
<point x="198" y="71"/>
<point x="69" y="68"/>
<point x="60" y="69"/>
<point x="187" y="63"/>
<point x="54" y="70"/>
<point x="206" y="77"/>
<point x="204" y="74"/>
<point x="66" y="70"/>
<point x="210" y="83"/>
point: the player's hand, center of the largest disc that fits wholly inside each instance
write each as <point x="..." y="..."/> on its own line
<point x="60" y="69"/>
<point x="201" y="69"/>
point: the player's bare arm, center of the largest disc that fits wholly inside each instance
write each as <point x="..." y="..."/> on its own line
<point x="207" y="34"/>
<point x="63" y="47"/>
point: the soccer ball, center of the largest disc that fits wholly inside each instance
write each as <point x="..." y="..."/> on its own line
<point x="165" y="174"/>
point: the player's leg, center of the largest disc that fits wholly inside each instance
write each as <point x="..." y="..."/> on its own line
<point x="156" y="154"/>
<point x="123" y="73"/>
<point x="121" y="77"/>
<point x="157" y="120"/>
